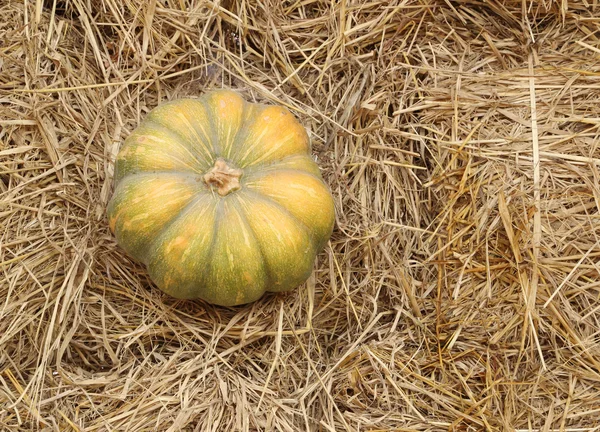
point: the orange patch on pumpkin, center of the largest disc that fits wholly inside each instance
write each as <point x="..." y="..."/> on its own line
<point x="112" y="223"/>
<point x="168" y="281"/>
<point x="178" y="243"/>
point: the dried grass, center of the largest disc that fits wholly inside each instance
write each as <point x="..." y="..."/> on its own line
<point x="459" y="291"/>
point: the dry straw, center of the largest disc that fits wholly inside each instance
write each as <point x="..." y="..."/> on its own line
<point x="460" y="289"/>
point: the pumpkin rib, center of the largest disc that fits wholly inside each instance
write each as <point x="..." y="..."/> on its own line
<point x="154" y="117"/>
<point x="120" y="177"/>
<point x="192" y="150"/>
<point x="234" y="211"/>
<point x="214" y="126"/>
<point x="238" y="141"/>
<point x="280" y="196"/>
<point x="116" y="209"/>
<point x="165" y="236"/>
<point x="248" y="117"/>
<point x="253" y="197"/>
<point x="243" y="159"/>
<point x="210" y="148"/>
<point x="273" y="165"/>
<point x="182" y="212"/>
<point x="285" y="210"/>
<point x="193" y="177"/>
<point x="254" y="176"/>
<point x="269" y="279"/>
<point x="127" y="164"/>
<point x="218" y="216"/>
<point x="215" y="231"/>
<point x="243" y="216"/>
<point x="242" y="136"/>
<point x="251" y="141"/>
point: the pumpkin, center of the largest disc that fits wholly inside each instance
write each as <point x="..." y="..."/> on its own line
<point x="220" y="199"/>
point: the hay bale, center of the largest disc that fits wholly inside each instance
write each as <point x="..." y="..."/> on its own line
<point x="459" y="290"/>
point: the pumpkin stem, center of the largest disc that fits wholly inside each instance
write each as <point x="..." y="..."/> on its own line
<point x="223" y="178"/>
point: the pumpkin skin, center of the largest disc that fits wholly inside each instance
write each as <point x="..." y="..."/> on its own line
<point x="220" y="199"/>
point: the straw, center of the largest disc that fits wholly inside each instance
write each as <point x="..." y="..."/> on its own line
<point x="459" y="290"/>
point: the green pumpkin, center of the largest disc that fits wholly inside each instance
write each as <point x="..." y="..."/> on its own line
<point x="220" y="199"/>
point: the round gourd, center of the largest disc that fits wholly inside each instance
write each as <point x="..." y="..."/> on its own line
<point x="220" y="199"/>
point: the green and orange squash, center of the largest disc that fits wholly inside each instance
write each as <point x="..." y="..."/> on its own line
<point x="220" y="199"/>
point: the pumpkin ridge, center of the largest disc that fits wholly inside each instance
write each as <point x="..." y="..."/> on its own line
<point x="209" y="151"/>
<point x="193" y="293"/>
<point x="285" y="210"/>
<point x="252" y="195"/>
<point x="242" y="214"/>
<point x="122" y="162"/>
<point x="215" y="144"/>
<point x="213" y="240"/>
<point x="268" y="270"/>
<point x="207" y="148"/>
<point x="117" y="207"/>
<point x="240" y="157"/>
<point x="201" y="194"/>
<point x="253" y="176"/>
<point x="310" y="166"/>
<point x="252" y="184"/>
<point x="248" y="118"/>
<point x="217" y="290"/>
<point x="191" y="177"/>
<point x="201" y="157"/>
<point x="243" y="163"/>
<point x="280" y="128"/>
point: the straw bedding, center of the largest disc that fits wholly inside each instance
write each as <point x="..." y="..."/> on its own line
<point x="459" y="290"/>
